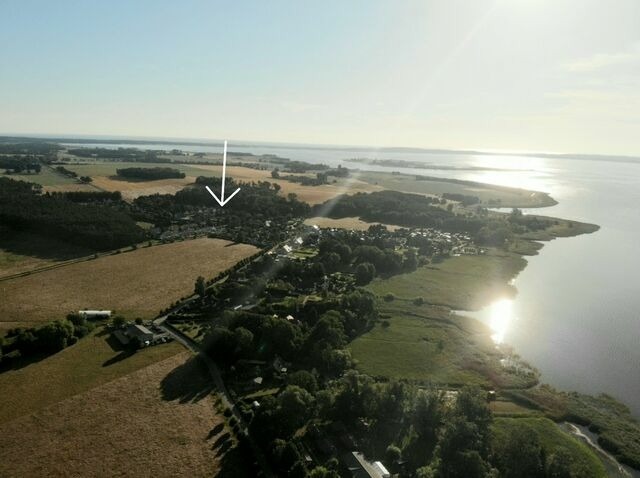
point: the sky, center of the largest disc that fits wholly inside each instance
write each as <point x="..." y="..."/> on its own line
<point x="514" y="75"/>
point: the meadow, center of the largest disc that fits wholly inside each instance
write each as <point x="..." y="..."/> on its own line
<point x="461" y="283"/>
<point x="138" y="283"/>
<point x="425" y="344"/>
<point x="552" y="438"/>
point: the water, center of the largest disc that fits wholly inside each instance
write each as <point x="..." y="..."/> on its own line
<point x="577" y="312"/>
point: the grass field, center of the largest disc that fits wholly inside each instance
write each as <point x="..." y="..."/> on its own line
<point x="345" y="223"/>
<point x="92" y="361"/>
<point x="462" y="283"/>
<point x="504" y="197"/>
<point x="46" y="177"/>
<point x="136" y="284"/>
<point x="157" y="421"/>
<point x="552" y="437"/>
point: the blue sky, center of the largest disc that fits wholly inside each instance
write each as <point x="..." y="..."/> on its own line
<point x="538" y="75"/>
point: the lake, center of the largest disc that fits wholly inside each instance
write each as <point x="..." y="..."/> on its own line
<point x="576" y="316"/>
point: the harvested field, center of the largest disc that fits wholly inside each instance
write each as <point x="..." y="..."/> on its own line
<point x="309" y="194"/>
<point x="135" y="284"/>
<point x="345" y="223"/>
<point x="157" y="421"/>
<point x="133" y="189"/>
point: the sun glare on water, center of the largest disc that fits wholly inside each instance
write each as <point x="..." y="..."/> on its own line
<point x="501" y="316"/>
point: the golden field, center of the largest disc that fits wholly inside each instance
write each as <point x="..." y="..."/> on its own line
<point x="137" y="283"/>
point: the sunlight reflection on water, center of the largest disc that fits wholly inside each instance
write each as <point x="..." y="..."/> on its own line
<point x="501" y="318"/>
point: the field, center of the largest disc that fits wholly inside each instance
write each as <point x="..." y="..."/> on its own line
<point x="92" y="361"/>
<point x="46" y="177"/>
<point x="552" y="438"/>
<point x="136" y="284"/>
<point x="502" y="196"/>
<point x="309" y="194"/>
<point x="157" y="421"/>
<point x="344" y="223"/>
<point x="462" y="283"/>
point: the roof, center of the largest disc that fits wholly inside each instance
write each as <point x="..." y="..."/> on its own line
<point x="94" y="312"/>
<point x="136" y="330"/>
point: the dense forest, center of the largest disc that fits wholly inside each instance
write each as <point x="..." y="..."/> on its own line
<point x="150" y="174"/>
<point x="98" y="227"/>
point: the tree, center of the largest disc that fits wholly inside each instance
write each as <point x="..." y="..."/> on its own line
<point x="393" y="454"/>
<point x="322" y="472"/>
<point x="118" y="321"/>
<point x="244" y="340"/>
<point x="275" y="174"/>
<point x="559" y="464"/>
<point x="521" y="455"/>
<point x="303" y="379"/>
<point x="200" y="287"/>
<point x="365" y="272"/>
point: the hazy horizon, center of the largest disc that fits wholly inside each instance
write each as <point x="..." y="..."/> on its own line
<point x="509" y="75"/>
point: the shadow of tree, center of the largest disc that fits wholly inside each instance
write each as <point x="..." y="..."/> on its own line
<point x="118" y="358"/>
<point x="238" y="462"/>
<point x="215" y="430"/>
<point x="40" y="246"/>
<point x="189" y="382"/>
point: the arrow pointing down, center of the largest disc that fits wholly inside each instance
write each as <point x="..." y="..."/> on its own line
<point x="222" y="201"/>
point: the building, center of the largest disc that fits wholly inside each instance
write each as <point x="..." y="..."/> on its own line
<point x="94" y="314"/>
<point x="140" y="334"/>
<point x="360" y="467"/>
<point x="137" y="334"/>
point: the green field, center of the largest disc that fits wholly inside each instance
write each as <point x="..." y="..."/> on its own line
<point x="552" y="437"/>
<point x="462" y="283"/>
<point x="46" y="177"/>
<point x="89" y="363"/>
<point x="502" y="196"/>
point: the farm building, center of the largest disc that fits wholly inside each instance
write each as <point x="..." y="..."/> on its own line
<point x="138" y="334"/>
<point x="95" y="314"/>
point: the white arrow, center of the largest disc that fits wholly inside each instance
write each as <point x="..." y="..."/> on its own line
<point x="222" y="201"/>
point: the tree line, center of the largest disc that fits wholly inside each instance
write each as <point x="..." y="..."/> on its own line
<point x="96" y="226"/>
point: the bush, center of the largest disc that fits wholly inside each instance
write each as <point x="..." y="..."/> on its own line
<point x="389" y="297"/>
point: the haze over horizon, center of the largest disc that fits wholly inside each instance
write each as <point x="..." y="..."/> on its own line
<point x="514" y="75"/>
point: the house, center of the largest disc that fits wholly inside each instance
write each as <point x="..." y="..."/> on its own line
<point x="94" y="314"/>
